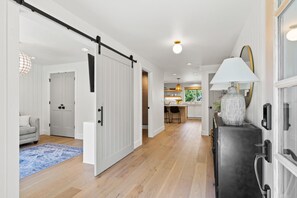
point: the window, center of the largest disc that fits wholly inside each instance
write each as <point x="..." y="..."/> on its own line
<point x="193" y="94"/>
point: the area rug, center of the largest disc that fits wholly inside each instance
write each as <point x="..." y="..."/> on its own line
<point x="38" y="158"/>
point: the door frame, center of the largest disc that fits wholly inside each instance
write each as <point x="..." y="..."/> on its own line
<point x="150" y="98"/>
<point x="75" y="97"/>
<point x="10" y="73"/>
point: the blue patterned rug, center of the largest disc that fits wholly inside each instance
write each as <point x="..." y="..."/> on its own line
<point x="38" y="158"/>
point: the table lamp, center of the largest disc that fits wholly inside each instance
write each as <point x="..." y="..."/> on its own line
<point x="233" y="72"/>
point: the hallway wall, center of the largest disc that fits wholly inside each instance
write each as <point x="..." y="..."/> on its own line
<point x="258" y="33"/>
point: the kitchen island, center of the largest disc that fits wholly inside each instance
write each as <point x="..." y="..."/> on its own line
<point x="183" y="111"/>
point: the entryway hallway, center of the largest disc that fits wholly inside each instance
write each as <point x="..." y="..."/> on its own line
<point x="176" y="163"/>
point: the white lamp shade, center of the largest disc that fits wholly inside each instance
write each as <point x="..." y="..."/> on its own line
<point x="234" y="70"/>
<point x="292" y="34"/>
<point x="225" y="86"/>
<point x="177" y="48"/>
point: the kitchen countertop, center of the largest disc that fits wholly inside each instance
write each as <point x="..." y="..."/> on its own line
<point x="182" y="105"/>
<point x="176" y="105"/>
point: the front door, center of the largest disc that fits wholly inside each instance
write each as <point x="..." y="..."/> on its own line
<point x="62" y="104"/>
<point x="114" y="101"/>
<point x="285" y="99"/>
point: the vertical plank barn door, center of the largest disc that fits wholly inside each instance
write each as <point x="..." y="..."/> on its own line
<point x="114" y="102"/>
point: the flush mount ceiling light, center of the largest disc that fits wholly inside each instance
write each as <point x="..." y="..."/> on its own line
<point x="25" y="63"/>
<point x="292" y="34"/>
<point x="84" y="49"/>
<point x="189" y="64"/>
<point x="33" y="58"/>
<point x="177" y="47"/>
<point x="173" y="74"/>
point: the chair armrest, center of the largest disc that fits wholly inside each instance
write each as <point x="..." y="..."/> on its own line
<point x="34" y="122"/>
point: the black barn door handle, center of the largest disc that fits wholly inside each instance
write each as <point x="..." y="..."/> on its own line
<point x="101" y="121"/>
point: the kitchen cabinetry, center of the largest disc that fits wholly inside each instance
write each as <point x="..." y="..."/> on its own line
<point x="194" y="110"/>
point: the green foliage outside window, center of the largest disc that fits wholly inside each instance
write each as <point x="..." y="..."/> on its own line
<point x="193" y="95"/>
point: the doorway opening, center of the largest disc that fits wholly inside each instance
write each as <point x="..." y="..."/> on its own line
<point x="55" y="100"/>
<point x="214" y="97"/>
<point x="145" y="106"/>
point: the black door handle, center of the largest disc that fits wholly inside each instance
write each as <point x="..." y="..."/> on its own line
<point x="101" y="121"/>
<point x="210" y="107"/>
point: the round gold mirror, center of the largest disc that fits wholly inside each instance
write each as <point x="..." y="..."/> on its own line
<point x="247" y="56"/>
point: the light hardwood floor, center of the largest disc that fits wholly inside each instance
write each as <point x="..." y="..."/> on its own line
<point x="176" y="163"/>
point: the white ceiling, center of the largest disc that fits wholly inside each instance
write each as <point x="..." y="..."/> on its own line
<point x="47" y="42"/>
<point x="208" y="29"/>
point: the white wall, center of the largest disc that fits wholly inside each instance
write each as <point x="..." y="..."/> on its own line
<point x="205" y="71"/>
<point x="156" y="101"/>
<point x="30" y="92"/>
<point x="257" y="33"/>
<point x="157" y="73"/>
<point x="84" y="99"/>
<point x="9" y="130"/>
<point x="35" y="95"/>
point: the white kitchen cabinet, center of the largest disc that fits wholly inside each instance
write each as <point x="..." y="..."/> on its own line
<point x="194" y="110"/>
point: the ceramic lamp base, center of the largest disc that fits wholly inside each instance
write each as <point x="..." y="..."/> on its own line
<point x="233" y="108"/>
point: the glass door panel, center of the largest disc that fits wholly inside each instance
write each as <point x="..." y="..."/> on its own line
<point x="288" y="58"/>
<point x="288" y="184"/>
<point x="288" y="138"/>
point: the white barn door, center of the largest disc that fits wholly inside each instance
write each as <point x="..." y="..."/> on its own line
<point x="114" y="102"/>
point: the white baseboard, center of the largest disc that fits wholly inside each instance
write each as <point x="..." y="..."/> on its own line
<point x="204" y="133"/>
<point x="137" y="144"/>
<point x="78" y="136"/>
<point x="156" y="132"/>
<point x="144" y="126"/>
<point x="44" y="132"/>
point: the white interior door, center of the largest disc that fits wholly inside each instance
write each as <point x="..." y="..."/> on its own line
<point x="114" y="92"/>
<point x="62" y="104"/>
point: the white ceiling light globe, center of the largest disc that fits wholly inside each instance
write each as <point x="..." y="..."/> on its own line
<point x="292" y="34"/>
<point x="177" y="48"/>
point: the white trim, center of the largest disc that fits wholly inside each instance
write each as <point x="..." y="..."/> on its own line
<point x="58" y="71"/>
<point x="78" y="136"/>
<point x="156" y="132"/>
<point x="137" y="144"/>
<point x="204" y="133"/>
<point x="287" y="164"/>
<point x="150" y="99"/>
<point x="288" y="82"/>
<point x="282" y="7"/>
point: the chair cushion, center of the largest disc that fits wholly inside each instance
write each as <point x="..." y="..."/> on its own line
<point x="27" y="130"/>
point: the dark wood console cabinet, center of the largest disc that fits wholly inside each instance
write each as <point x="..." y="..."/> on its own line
<point x="234" y="152"/>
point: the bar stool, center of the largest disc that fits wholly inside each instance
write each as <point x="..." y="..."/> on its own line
<point x="166" y="115"/>
<point x="175" y="110"/>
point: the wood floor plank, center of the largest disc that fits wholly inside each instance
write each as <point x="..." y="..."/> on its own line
<point x="176" y="163"/>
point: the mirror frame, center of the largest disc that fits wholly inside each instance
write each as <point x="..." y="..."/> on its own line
<point x="248" y="98"/>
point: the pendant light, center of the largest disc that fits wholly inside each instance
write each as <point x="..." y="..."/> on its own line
<point x="177" y="47"/>
<point x="25" y="63"/>
<point x="178" y="87"/>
